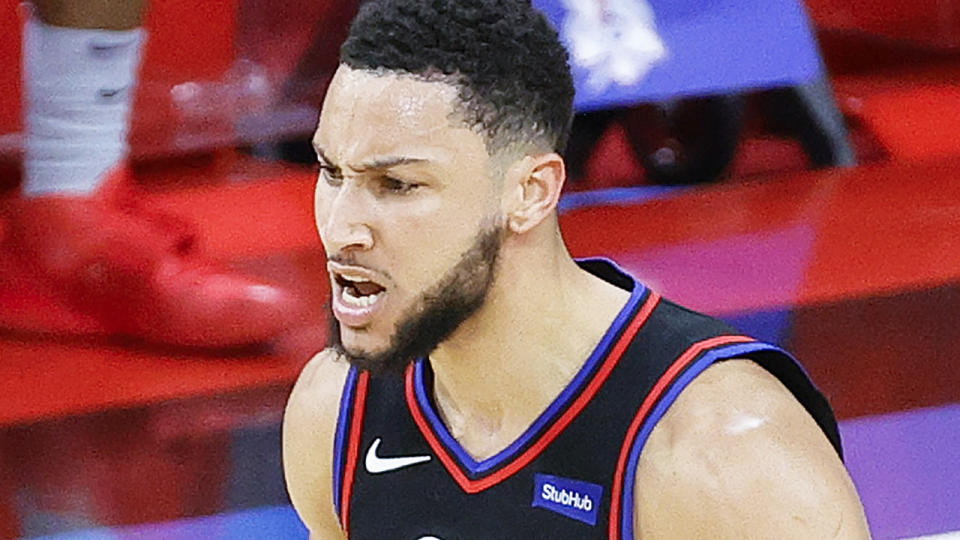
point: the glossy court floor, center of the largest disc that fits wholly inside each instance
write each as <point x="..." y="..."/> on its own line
<point x="857" y="272"/>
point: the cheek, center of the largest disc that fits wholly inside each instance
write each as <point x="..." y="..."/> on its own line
<point x="422" y="252"/>
<point x="413" y="257"/>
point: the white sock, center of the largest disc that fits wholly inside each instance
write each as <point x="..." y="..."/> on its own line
<point x="78" y="88"/>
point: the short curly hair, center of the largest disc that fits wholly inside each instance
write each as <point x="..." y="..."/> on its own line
<point x="505" y="58"/>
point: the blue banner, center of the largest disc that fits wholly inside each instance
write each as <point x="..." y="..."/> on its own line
<point x="633" y="51"/>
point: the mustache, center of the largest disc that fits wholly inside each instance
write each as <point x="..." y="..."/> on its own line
<point x="349" y="259"/>
<point x="346" y="259"/>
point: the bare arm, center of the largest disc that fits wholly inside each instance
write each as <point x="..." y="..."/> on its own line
<point x="736" y="456"/>
<point x="309" y="427"/>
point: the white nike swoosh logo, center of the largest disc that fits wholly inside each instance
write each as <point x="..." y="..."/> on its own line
<point x="376" y="464"/>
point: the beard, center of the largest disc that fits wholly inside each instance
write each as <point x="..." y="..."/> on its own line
<point x="439" y="311"/>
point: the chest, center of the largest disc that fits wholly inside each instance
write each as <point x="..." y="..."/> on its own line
<point x="558" y="480"/>
<point x="405" y="488"/>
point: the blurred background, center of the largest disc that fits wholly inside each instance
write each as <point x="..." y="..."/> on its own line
<point x="790" y="167"/>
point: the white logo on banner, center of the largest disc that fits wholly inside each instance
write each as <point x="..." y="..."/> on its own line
<point x="616" y="41"/>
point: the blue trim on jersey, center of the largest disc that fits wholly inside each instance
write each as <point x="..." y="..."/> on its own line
<point x="679" y="384"/>
<point x="549" y="415"/>
<point x="343" y="423"/>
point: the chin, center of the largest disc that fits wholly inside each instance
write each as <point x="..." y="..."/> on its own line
<point x="362" y="342"/>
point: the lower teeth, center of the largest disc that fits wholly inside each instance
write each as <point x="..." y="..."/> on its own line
<point x="361" y="301"/>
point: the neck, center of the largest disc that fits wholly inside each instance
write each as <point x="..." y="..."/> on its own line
<point x="505" y="365"/>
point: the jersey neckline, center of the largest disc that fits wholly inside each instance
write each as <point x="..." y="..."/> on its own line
<point x="475" y="475"/>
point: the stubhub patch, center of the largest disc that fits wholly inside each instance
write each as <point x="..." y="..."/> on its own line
<point x="572" y="498"/>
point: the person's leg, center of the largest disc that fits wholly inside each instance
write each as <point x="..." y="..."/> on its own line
<point x="81" y="59"/>
<point x="97" y="14"/>
<point x="80" y="227"/>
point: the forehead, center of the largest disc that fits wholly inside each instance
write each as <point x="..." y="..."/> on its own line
<point x="369" y="113"/>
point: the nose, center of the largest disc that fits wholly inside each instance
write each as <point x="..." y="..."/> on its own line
<point x="343" y="217"/>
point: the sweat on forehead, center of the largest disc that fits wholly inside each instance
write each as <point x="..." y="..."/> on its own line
<point x="403" y="94"/>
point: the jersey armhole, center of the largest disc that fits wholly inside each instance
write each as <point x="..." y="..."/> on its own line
<point x="694" y="361"/>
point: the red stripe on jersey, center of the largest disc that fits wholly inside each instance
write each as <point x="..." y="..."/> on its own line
<point x="353" y="449"/>
<point x="475" y="486"/>
<point x="646" y="407"/>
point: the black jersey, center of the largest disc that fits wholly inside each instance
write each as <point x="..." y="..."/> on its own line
<point x="399" y="474"/>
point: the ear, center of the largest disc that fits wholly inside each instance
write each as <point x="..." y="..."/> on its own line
<point x="539" y="181"/>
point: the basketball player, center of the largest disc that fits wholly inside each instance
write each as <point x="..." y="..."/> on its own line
<point x="483" y="385"/>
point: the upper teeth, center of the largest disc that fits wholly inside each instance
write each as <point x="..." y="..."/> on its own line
<point x="355" y="279"/>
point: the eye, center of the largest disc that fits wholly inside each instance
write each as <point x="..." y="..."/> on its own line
<point x="395" y="185"/>
<point x="330" y="175"/>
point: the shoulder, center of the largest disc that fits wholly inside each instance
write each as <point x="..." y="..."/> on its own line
<point x="321" y="380"/>
<point x="737" y="456"/>
<point x="309" y="428"/>
<point x="314" y="402"/>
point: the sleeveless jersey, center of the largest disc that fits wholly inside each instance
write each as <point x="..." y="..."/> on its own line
<point x="399" y="474"/>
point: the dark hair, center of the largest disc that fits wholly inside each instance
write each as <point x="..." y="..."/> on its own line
<point x="504" y="56"/>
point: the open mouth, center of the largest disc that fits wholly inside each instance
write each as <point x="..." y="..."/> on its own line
<point x="358" y="292"/>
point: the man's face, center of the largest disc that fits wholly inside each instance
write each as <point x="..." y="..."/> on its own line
<point x="407" y="211"/>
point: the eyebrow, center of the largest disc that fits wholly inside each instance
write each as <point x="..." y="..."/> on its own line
<point x="375" y="163"/>
<point x="385" y="162"/>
